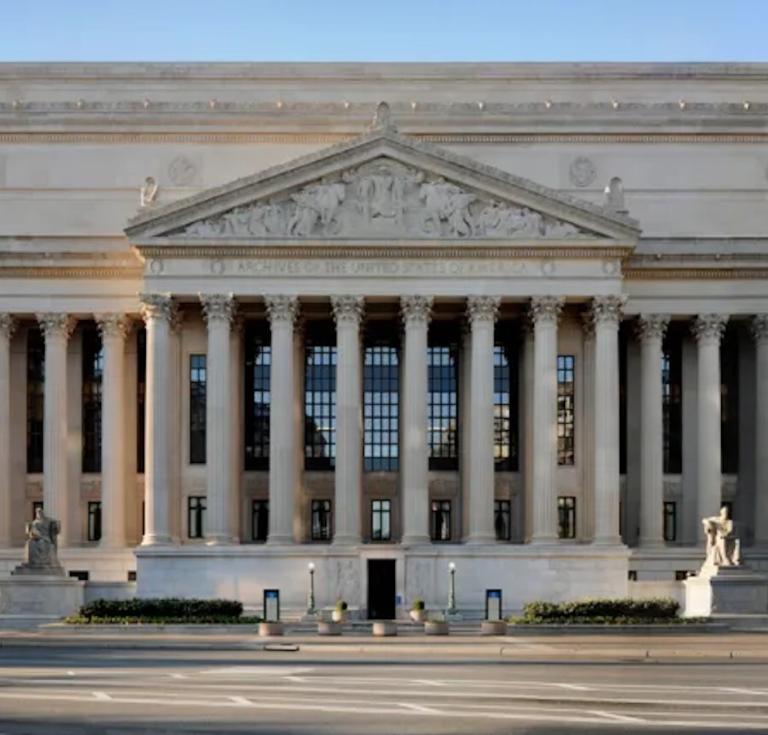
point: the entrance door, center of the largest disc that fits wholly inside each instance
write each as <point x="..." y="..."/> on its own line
<point x="381" y="589"/>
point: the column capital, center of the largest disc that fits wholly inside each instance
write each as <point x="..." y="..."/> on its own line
<point x="483" y="308"/>
<point x="282" y="308"/>
<point x="218" y="307"/>
<point x="347" y="309"/>
<point x="759" y="328"/>
<point x="158" y="306"/>
<point x="113" y="325"/>
<point x="607" y="310"/>
<point x="7" y="325"/>
<point x="709" y="327"/>
<point x="651" y="327"/>
<point x="416" y="309"/>
<point x="545" y="309"/>
<point x="55" y="324"/>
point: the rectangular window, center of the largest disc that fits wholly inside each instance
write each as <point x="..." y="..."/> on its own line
<point x="440" y="526"/>
<point x="196" y="516"/>
<point x="502" y="519"/>
<point x="566" y="517"/>
<point x="443" y="405"/>
<point x="94" y="521"/>
<point x="505" y="412"/>
<point x="197" y="379"/>
<point x="566" y="424"/>
<point x="670" y="521"/>
<point x="729" y="401"/>
<point x="381" y="517"/>
<point x="258" y="362"/>
<point x="321" y="520"/>
<point x="93" y="368"/>
<point x="320" y="399"/>
<point x="260" y="520"/>
<point x="35" y="399"/>
<point x="141" y="391"/>
<point x="381" y="408"/>
<point x="672" y="401"/>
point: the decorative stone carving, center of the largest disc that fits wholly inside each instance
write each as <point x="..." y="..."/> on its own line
<point x="382" y="118"/>
<point x="382" y="199"/>
<point x="40" y="555"/>
<point x="148" y="192"/>
<point x="56" y="324"/>
<point x="218" y="307"/>
<point x="651" y="326"/>
<point x="7" y="325"/>
<point x="582" y="172"/>
<point x="416" y="309"/>
<point x="760" y="328"/>
<point x="156" y="306"/>
<point x="607" y="310"/>
<point x="709" y="327"/>
<point x="614" y="196"/>
<point x="483" y="308"/>
<point x="723" y="548"/>
<point x="546" y="308"/>
<point x="113" y="325"/>
<point x="347" y="308"/>
<point x="182" y="171"/>
<point x="282" y="308"/>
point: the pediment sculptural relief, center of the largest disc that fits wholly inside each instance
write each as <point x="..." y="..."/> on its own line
<point x="382" y="198"/>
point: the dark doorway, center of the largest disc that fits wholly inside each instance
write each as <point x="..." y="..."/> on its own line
<point x="381" y="589"/>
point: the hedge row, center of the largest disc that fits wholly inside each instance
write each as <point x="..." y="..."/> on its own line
<point x="126" y="620"/>
<point x="162" y="608"/>
<point x="602" y="611"/>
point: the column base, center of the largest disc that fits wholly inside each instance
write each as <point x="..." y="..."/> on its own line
<point x="219" y="540"/>
<point x="156" y="539"/>
<point x="481" y="539"/>
<point x="543" y="540"/>
<point x="112" y="545"/>
<point x="608" y="541"/>
<point x="346" y="541"/>
<point x="274" y="540"/>
<point x="651" y="543"/>
<point x="415" y="540"/>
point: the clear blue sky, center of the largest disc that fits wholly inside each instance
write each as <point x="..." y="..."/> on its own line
<point x="384" y="30"/>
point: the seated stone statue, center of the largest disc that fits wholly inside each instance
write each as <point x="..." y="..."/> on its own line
<point x="723" y="548"/>
<point x="40" y="555"/>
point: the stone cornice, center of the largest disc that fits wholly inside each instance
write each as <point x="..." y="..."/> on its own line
<point x="694" y="274"/>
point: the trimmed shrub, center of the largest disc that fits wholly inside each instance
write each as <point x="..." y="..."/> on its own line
<point x="417" y="604"/>
<point x="601" y="611"/>
<point x="163" y="608"/>
<point x="341" y="605"/>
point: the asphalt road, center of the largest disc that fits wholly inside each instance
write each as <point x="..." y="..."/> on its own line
<point x="111" y="692"/>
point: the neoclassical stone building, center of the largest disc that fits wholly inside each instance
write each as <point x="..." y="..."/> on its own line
<point x="382" y="319"/>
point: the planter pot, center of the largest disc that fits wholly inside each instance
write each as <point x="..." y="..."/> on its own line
<point x="384" y="628"/>
<point x="339" y="616"/>
<point x="270" y="629"/>
<point x="328" y="628"/>
<point x="493" y="627"/>
<point x="434" y="627"/>
<point x="418" y="616"/>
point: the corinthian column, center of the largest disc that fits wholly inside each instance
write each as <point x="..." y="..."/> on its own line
<point x="415" y="311"/>
<point x="708" y="330"/>
<point x="218" y="312"/>
<point x="157" y="310"/>
<point x="57" y="329"/>
<point x="282" y="311"/>
<point x="544" y="312"/>
<point x="114" y="329"/>
<point x="348" y="311"/>
<point x="760" y="333"/>
<point x="606" y="314"/>
<point x="7" y="327"/>
<point x="650" y="332"/>
<point x="482" y="312"/>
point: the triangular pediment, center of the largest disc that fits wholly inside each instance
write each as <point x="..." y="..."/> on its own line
<point x="380" y="186"/>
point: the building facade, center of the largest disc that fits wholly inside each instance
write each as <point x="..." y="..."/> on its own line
<point x="382" y="319"/>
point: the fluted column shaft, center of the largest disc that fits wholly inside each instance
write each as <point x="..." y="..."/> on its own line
<point x="282" y="311"/>
<point x="218" y="312"/>
<point x="414" y="471"/>
<point x="157" y="312"/>
<point x="482" y="312"/>
<point x="7" y="327"/>
<point x="114" y="329"/>
<point x="348" y="311"/>
<point x="650" y="331"/>
<point x="545" y="311"/>
<point x="760" y="333"/>
<point x="708" y="330"/>
<point x="606" y="314"/>
<point x="57" y="328"/>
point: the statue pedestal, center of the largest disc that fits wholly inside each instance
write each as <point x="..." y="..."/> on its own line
<point x="40" y="595"/>
<point x="735" y="590"/>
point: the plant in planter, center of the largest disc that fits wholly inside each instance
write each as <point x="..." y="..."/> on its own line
<point x="418" y="611"/>
<point x="339" y="614"/>
<point x="437" y="625"/>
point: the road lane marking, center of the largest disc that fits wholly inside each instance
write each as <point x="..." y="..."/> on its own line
<point x="257" y="670"/>
<point x="102" y="696"/>
<point x="420" y="708"/>
<point x="179" y="676"/>
<point x="428" y="682"/>
<point x="616" y="717"/>
<point x="574" y="687"/>
<point x="736" y="690"/>
<point x="240" y="700"/>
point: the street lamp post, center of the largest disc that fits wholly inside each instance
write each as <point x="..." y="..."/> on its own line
<point x="452" y="589"/>
<point x="311" y="597"/>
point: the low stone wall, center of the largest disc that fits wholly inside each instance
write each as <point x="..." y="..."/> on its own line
<point x="657" y="588"/>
